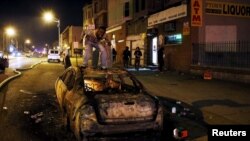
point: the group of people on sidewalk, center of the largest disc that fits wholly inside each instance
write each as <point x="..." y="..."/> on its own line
<point x="138" y="54"/>
<point x="127" y="57"/>
<point x="97" y="44"/>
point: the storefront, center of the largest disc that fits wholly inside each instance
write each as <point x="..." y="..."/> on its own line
<point x="117" y="35"/>
<point x="134" y="41"/>
<point x="170" y="28"/>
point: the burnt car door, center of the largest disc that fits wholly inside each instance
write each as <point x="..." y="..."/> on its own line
<point x="74" y="97"/>
<point x="61" y="86"/>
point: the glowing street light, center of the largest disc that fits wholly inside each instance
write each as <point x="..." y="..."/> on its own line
<point x="49" y="17"/>
<point x="10" y="32"/>
<point x="27" y="41"/>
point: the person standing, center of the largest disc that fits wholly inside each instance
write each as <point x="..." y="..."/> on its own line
<point x="126" y="57"/>
<point x="161" y="59"/>
<point x="67" y="62"/>
<point x="114" y="53"/>
<point x="97" y="40"/>
<point x="138" y="55"/>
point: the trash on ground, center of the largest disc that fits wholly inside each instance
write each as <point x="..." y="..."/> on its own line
<point x="38" y="120"/>
<point x="26" y="112"/>
<point x="40" y="114"/>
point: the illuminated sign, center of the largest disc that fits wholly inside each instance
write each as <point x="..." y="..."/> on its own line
<point x="170" y="14"/>
<point x="186" y="28"/>
<point x="196" y="19"/>
<point x="227" y="9"/>
<point x="173" y="39"/>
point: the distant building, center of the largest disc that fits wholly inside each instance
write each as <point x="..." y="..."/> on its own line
<point x="71" y="37"/>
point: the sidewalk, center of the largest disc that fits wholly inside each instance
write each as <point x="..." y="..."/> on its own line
<point x="221" y="102"/>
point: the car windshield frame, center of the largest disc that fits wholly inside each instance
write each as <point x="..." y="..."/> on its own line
<point x="111" y="82"/>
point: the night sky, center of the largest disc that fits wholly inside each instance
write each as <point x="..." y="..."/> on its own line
<point x="26" y="17"/>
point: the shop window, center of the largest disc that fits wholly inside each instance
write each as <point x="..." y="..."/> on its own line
<point x="143" y="4"/>
<point x="126" y="12"/>
<point x="170" y="27"/>
<point x="173" y="39"/>
<point x="96" y="7"/>
<point x="137" y="6"/>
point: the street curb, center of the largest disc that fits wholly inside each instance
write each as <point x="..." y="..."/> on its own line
<point x="32" y="66"/>
<point x="18" y="73"/>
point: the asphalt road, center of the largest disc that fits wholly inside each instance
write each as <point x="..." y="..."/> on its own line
<point x="221" y="102"/>
<point x="30" y="110"/>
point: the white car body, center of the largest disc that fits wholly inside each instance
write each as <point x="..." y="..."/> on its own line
<point x="54" y="55"/>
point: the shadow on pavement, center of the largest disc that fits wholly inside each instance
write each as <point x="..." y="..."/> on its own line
<point x="224" y="102"/>
<point x="181" y="115"/>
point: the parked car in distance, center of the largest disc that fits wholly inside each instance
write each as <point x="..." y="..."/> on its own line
<point x="104" y="102"/>
<point x="1" y="54"/>
<point x="54" y="55"/>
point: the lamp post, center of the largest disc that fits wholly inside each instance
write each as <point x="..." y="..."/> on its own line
<point x="47" y="48"/>
<point x="27" y="42"/>
<point x="10" y="32"/>
<point x="49" y="17"/>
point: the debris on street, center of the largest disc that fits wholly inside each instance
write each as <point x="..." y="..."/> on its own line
<point x="35" y="116"/>
<point x="26" y="112"/>
<point x="38" y="120"/>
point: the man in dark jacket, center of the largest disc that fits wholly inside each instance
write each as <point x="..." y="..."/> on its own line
<point x="138" y="55"/>
<point x="126" y="57"/>
<point x="161" y="59"/>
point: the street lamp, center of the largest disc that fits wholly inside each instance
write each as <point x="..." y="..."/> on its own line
<point x="26" y="42"/>
<point x="10" y="32"/>
<point x="49" y="17"/>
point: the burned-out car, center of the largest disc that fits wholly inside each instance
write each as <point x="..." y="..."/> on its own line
<point x="102" y="102"/>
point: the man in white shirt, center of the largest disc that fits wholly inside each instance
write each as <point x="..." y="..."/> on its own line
<point x="98" y="40"/>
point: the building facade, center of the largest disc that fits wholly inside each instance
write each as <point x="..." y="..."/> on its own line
<point x="71" y="37"/>
<point x="100" y="12"/>
<point x="184" y="28"/>
<point x="165" y="28"/>
<point x="186" y="25"/>
<point x="119" y="13"/>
